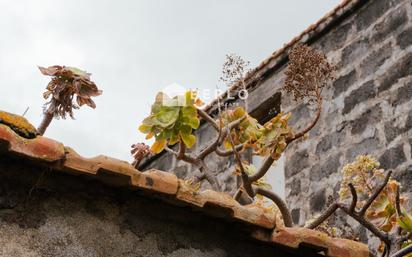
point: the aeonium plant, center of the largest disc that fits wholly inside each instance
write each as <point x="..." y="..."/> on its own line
<point x="369" y="195"/>
<point x="68" y="89"/>
<point x="172" y="121"/>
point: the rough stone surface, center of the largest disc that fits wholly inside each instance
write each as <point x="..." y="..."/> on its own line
<point x="373" y="61"/>
<point x="344" y="82"/>
<point x="295" y="215"/>
<point x="298" y="162"/>
<point x="359" y="95"/>
<point x="318" y="201"/>
<point x="404" y="39"/>
<point x="46" y="214"/>
<point x="392" y="157"/>
<point x="398" y="70"/>
<point x="392" y="22"/>
<point x="331" y="165"/>
<point x="370" y="116"/>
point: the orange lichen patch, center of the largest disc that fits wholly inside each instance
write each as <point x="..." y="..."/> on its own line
<point x="296" y="237"/>
<point x="223" y="204"/>
<point x="39" y="148"/>
<point x="156" y="180"/>
<point x="18" y="124"/>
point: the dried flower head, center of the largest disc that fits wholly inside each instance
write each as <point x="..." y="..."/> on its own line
<point x="233" y="69"/>
<point x="139" y="151"/>
<point x="65" y="84"/>
<point x="363" y="173"/>
<point x="307" y="73"/>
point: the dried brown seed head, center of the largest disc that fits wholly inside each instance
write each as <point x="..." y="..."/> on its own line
<point x="308" y="72"/>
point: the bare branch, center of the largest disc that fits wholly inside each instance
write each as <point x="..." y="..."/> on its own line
<point x="324" y="216"/>
<point x="403" y="251"/>
<point x="284" y="210"/>
<point x="245" y="179"/>
<point x="212" y="147"/>
<point x="208" y="118"/>
<point x="354" y="198"/>
<point x="368" y="225"/>
<point x="311" y="125"/>
<point x="210" y="177"/>
<point x="183" y="156"/>
<point x="238" y="194"/>
<point x="262" y="170"/>
<point x="375" y="194"/>
<point x="182" y="150"/>
<point x="398" y="202"/>
<point x="226" y="153"/>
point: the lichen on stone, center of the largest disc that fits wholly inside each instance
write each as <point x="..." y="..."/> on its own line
<point x="18" y="124"/>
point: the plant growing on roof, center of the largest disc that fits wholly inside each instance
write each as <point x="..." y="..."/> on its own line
<point x="371" y="197"/>
<point x="68" y="89"/>
<point x="308" y="72"/>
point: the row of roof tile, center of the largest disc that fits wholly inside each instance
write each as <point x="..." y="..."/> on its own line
<point x="114" y="172"/>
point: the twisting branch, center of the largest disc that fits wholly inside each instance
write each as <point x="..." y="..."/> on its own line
<point x="210" y="177"/>
<point x="252" y="191"/>
<point x="283" y="208"/>
<point x="212" y="147"/>
<point x="398" y="202"/>
<point x="311" y="125"/>
<point x="352" y="207"/>
<point x="375" y="194"/>
<point x="245" y="179"/>
<point x="324" y="216"/>
<point x="209" y="119"/>
<point x="226" y="153"/>
<point x="357" y="215"/>
<point x="182" y="156"/>
<point x="262" y="170"/>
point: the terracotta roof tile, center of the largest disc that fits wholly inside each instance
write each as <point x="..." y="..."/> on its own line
<point x="39" y="148"/>
<point x="297" y="237"/>
<point x="156" y="180"/>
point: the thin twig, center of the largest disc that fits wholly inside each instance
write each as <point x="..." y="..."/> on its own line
<point x="375" y="194"/>
<point x="324" y="216"/>
<point x="212" y="147"/>
<point x="245" y="179"/>
<point x="398" y="202"/>
<point x="262" y="170"/>
<point x="354" y="198"/>
<point x="226" y="153"/>
<point x="311" y="125"/>
<point x="210" y="177"/>
<point x="208" y="118"/>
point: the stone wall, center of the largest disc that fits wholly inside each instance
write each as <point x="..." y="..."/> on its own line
<point x="367" y="110"/>
<point x="44" y="213"/>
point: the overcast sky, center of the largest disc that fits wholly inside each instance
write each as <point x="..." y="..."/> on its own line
<point x="133" y="49"/>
